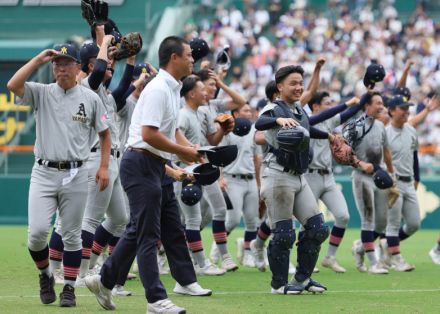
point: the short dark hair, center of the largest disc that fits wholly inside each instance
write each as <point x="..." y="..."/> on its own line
<point x="369" y="98"/>
<point x="203" y="74"/>
<point x="168" y="46"/>
<point x="271" y="90"/>
<point x="317" y="98"/>
<point x="283" y="72"/>
<point x="188" y="84"/>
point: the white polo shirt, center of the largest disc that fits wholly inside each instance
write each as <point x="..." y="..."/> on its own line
<point x="158" y="106"/>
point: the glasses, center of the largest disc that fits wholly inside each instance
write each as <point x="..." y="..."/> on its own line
<point x="64" y="65"/>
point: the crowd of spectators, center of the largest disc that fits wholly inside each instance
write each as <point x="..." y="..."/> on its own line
<point x="262" y="39"/>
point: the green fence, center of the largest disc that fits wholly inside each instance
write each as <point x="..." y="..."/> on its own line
<point x="14" y="196"/>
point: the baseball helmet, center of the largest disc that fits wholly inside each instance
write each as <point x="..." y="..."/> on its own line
<point x="199" y="49"/>
<point x="293" y="139"/>
<point x="221" y="156"/>
<point x="375" y="73"/>
<point x="191" y="193"/>
<point x="242" y="126"/>
<point x="205" y="174"/>
<point x="381" y="178"/>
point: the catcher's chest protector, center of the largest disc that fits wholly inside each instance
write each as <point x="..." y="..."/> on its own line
<point x="296" y="161"/>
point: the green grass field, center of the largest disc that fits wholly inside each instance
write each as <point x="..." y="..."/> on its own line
<point x="247" y="290"/>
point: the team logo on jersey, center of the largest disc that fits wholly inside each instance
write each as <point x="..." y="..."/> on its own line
<point x="81" y="115"/>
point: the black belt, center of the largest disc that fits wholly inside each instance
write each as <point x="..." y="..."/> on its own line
<point x="404" y="179"/>
<point x="147" y="153"/>
<point x="113" y="152"/>
<point x="320" y="171"/>
<point x="60" y="165"/>
<point x="243" y="176"/>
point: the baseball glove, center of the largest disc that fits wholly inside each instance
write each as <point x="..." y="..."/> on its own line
<point x="342" y="152"/>
<point x="94" y="12"/>
<point x="226" y="122"/>
<point x="393" y="194"/>
<point x="129" y="46"/>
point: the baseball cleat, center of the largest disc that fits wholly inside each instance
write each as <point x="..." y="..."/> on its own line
<point x="47" y="291"/>
<point x="280" y="290"/>
<point x="377" y="269"/>
<point x="358" y="253"/>
<point x="164" y="306"/>
<point x="294" y="287"/>
<point x="315" y="270"/>
<point x="67" y="297"/>
<point x="103" y="295"/>
<point x="193" y="289"/>
<point x="209" y="269"/>
<point x="258" y="254"/>
<point x="314" y="286"/>
<point x="435" y="255"/>
<point x="398" y="263"/>
<point x="228" y="264"/>
<point x="59" y="276"/>
<point x="120" y="291"/>
<point x="131" y="276"/>
<point x="332" y="263"/>
<point x="248" y="259"/>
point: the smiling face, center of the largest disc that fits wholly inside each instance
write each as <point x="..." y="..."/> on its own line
<point x="198" y="94"/>
<point x="375" y="107"/>
<point x="184" y="62"/>
<point x="399" y="114"/>
<point x="291" y="88"/>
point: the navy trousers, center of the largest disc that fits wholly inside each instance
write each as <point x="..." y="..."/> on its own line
<point x="141" y="177"/>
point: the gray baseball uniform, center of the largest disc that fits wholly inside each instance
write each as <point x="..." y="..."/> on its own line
<point x="370" y="200"/>
<point x="323" y="185"/>
<point x="241" y="184"/>
<point x="65" y="121"/>
<point x="123" y="120"/>
<point x="403" y="142"/>
<point x="111" y="200"/>
<point x="285" y="193"/>
<point x="207" y="114"/>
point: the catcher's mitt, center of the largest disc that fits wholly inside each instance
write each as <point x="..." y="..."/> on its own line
<point x="393" y="194"/>
<point x="342" y="152"/>
<point x="129" y="46"/>
<point x="94" y="12"/>
<point x="226" y="122"/>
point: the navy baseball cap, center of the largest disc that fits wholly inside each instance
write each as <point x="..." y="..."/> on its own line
<point x="242" y="126"/>
<point x="139" y="69"/>
<point x="199" y="49"/>
<point x="403" y="91"/>
<point x="191" y="193"/>
<point x="381" y="178"/>
<point x="375" y="73"/>
<point x="88" y="51"/>
<point x="221" y="156"/>
<point x="66" y="51"/>
<point x="205" y="174"/>
<point x="398" y="101"/>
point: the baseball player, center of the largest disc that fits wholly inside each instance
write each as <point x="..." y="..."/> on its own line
<point x="194" y="93"/>
<point x="285" y="190"/>
<point x="96" y="235"/>
<point x="370" y="145"/>
<point x="320" y="176"/>
<point x="213" y="194"/>
<point x="240" y="183"/>
<point x="153" y="138"/>
<point x="67" y="114"/>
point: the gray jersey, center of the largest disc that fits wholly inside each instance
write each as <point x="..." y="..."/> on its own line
<point x="110" y="114"/>
<point x="247" y="150"/>
<point x="124" y="120"/>
<point x="403" y="142"/>
<point x="65" y="120"/>
<point x="190" y="125"/>
<point x="206" y="119"/>
<point x="322" y="157"/>
<point x="370" y="148"/>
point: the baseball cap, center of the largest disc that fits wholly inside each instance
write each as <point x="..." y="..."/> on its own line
<point x="398" y="101"/>
<point x="88" y="51"/>
<point x="403" y="91"/>
<point x="139" y="69"/>
<point x="66" y="51"/>
<point x="242" y="126"/>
